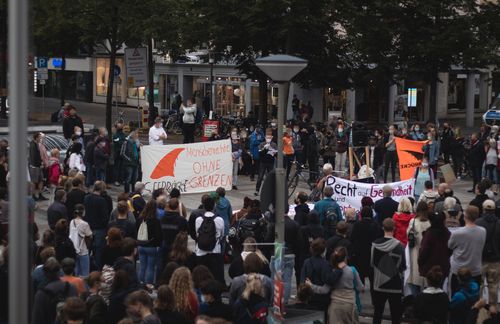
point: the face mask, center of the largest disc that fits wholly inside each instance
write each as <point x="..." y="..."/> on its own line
<point x="417" y="129"/>
<point x="268" y="140"/>
<point x="425" y="164"/>
<point x="404" y="132"/>
<point x="429" y="138"/>
<point x="234" y="135"/>
<point x="296" y="130"/>
<point x="273" y="124"/>
<point x="340" y="130"/>
<point x="78" y="133"/>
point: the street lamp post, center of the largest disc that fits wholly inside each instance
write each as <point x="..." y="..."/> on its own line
<point x="212" y="101"/>
<point x="281" y="69"/>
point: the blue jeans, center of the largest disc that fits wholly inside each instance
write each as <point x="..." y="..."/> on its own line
<point x="130" y="177"/>
<point x="99" y="244"/>
<point x="82" y="265"/>
<point x="288" y="265"/>
<point x="100" y="174"/>
<point x="147" y="260"/>
<point x="90" y="175"/>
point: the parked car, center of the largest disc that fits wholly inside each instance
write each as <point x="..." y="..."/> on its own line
<point x="492" y="116"/>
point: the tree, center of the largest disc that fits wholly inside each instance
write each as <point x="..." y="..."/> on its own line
<point x="57" y="33"/>
<point x="259" y="28"/>
<point x="109" y="24"/>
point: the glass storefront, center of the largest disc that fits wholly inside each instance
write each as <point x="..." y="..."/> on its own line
<point x="229" y="94"/>
<point x="101" y="77"/>
<point x="78" y="85"/>
<point x="457" y="91"/>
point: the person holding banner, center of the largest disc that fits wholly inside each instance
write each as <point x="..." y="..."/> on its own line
<point x="422" y="174"/>
<point x="391" y="156"/>
<point x="431" y="150"/>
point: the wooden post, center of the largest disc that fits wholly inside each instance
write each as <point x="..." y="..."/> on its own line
<point x="351" y="164"/>
<point x="367" y="156"/>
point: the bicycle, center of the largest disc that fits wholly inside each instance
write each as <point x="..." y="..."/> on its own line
<point x="293" y="181"/>
<point x="173" y="124"/>
<point x="120" y="119"/>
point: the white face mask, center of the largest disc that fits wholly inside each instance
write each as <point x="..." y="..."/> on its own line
<point x="417" y="129"/>
<point x="273" y="124"/>
<point x="234" y="135"/>
<point x="268" y="140"/>
<point x="391" y="131"/>
<point x="78" y="133"/>
<point x="340" y="130"/>
<point x="404" y="132"/>
<point x="425" y="164"/>
<point x="296" y="130"/>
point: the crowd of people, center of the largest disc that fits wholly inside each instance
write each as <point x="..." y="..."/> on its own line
<point x="432" y="257"/>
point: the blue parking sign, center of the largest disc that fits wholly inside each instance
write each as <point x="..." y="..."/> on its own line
<point x="42" y="62"/>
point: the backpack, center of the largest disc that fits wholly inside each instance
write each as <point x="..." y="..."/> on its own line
<point x="57" y="300"/>
<point x="107" y="276"/>
<point x="207" y="234"/>
<point x="250" y="228"/>
<point x="330" y="221"/>
<point x="452" y="221"/>
<point x="142" y="233"/>
<point x="489" y="250"/>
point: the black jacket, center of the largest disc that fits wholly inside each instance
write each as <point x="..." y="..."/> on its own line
<point x="309" y="233"/>
<point x="236" y="268"/>
<point x="171" y="224"/>
<point x="75" y="196"/>
<point x="110" y="255"/>
<point x="431" y="308"/>
<point x="218" y="309"/>
<point x="100" y="158"/>
<point x="69" y="124"/>
<point x="96" y="309"/>
<point x="44" y="307"/>
<point x="478" y="201"/>
<point x="126" y="227"/>
<point x="122" y="263"/>
<point x="192" y="222"/>
<point x="491" y="224"/>
<point x="55" y="212"/>
<point x="385" y="208"/>
<point x="154" y="232"/>
<point x="96" y="211"/>
<point x="477" y="155"/>
<point x="170" y="317"/>
<point x="292" y="237"/>
<point x="363" y="234"/>
<point x="301" y="212"/>
<point x="35" y="159"/>
<point x="334" y="242"/>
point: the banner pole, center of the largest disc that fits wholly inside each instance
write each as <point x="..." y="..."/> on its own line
<point x="351" y="164"/>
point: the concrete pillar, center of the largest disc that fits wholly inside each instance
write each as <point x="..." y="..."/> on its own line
<point x="289" y="111"/>
<point x="248" y="95"/>
<point x="484" y="91"/>
<point x="393" y="91"/>
<point x="442" y="95"/>
<point x="469" y="99"/>
<point x="350" y="104"/>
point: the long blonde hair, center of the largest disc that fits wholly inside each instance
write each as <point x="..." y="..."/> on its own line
<point x="254" y="286"/>
<point x="182" y="286"/>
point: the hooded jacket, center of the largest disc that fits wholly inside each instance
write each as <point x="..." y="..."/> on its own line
<point x="256" y="138"/>
<point x="224" y="210"/>
<point x="388" y="262"/>
<point x="401" y="223"/>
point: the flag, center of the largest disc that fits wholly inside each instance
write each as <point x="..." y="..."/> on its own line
<point x="410" y="154"/>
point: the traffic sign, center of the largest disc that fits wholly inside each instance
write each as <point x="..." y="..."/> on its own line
<point x="42" y="62"/>
<point x="42" y="81"/>
<point x="136" y="62"/>
<point x="43" y="74"/>
<point x="117" y="70"/>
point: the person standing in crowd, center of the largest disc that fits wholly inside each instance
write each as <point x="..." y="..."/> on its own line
<point x="44" y="309"/>
<point x="188" y="120"/>
<point x="309" y="232"/>
<point x="256" y="138"/>
<point x="80" y="234"/>
<point x="364" y="233"/>
<point x="464" y="298"/>
<point x="97" y="216"/>
<point x="165" y="307"/>
<point x="130" y="154"/>
<point x="223" y="209"/>
<point x="209" y="229"/>
<point x="481" y="195"/>
<point x="329" y="211"/>
<point x="212" y="291"/>
<point x="301" y="209"/>
<point x="251" y="306"/>
<point x="429" y="195"/>
<point x="434" y="246"/>
<point x="149" y="238"/>
<point x="341" y="145"/>
<point x="423" y="173"/>
<point x="96" y="305"/>
<point x="385" y="207"/>
<point x="236" y="150"/>
<point x="416" y="133"/>
<point x="68" y="268"/>
<point x="312" y="153"/>
<point x="477" y="155"/>
<point x="64" y="247"/>
<point x="101" y="159"/>
<point x="156" y="133"/>
<point x="88" y="159"/>
<point x="491" y="160"/>
<point x="76" y="158"/>
<point x="390" y="153"/>
<point x="288" y="152"/>
<point x="375" y="154"/>
<point x="70" y="122"/>
<point x="402" y="220"/>
<point x="140" y="306"/>
<point x="416" y="228"/>
<point x="491" y="251"/>
<point x="295" y="107"/>
<point x="186" y="301"/>
<point x="388" y="276"/>
<point x="267" y="157"/>
<point x="119" y="138"/>
<point x="467" y="244"/>
<point x="35" y="167"/>
<point x="431" y="306"/>
<point x="328" y="147"/>
<point x="298" y="147"/>
<point x="339" y="239"/>
<point x="122" y="220"/>
<point x="447" y="142"/>
<point x="75" y="196"/>
<point x="57" y="210"/>
<point x="113" y="249"/>
<point x="431" y="149"/>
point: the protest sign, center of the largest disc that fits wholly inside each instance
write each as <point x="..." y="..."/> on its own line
<point x="410" y="154"/>
<point x="348" y="194"/>
<point x="197" y="167"/>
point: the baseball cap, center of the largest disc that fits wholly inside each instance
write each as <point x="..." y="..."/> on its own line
<point x="489" y="204"/>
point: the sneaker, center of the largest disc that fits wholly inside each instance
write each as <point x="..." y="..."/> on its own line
<point x="42" y="198"/>
<point x="235" y="188"/>
<point x="256" y="193"/>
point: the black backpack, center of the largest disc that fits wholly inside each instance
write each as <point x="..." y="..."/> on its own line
<point x="251" y="228"/>
<point x="57" y="300"/>
<point x="207" y="234"/>
<point x="330" y="222"/>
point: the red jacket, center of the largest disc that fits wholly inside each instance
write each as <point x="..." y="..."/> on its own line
<point x="401" y="222"/>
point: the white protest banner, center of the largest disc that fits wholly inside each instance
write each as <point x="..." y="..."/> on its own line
<point x="348" y="194"/>
<point x="197" y="167"/>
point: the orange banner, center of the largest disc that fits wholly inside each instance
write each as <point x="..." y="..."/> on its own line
<point x="410" y="154"/>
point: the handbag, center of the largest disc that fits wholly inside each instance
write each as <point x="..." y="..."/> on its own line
<point x="359" y="306"/>
<point x="411" y="236"/>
